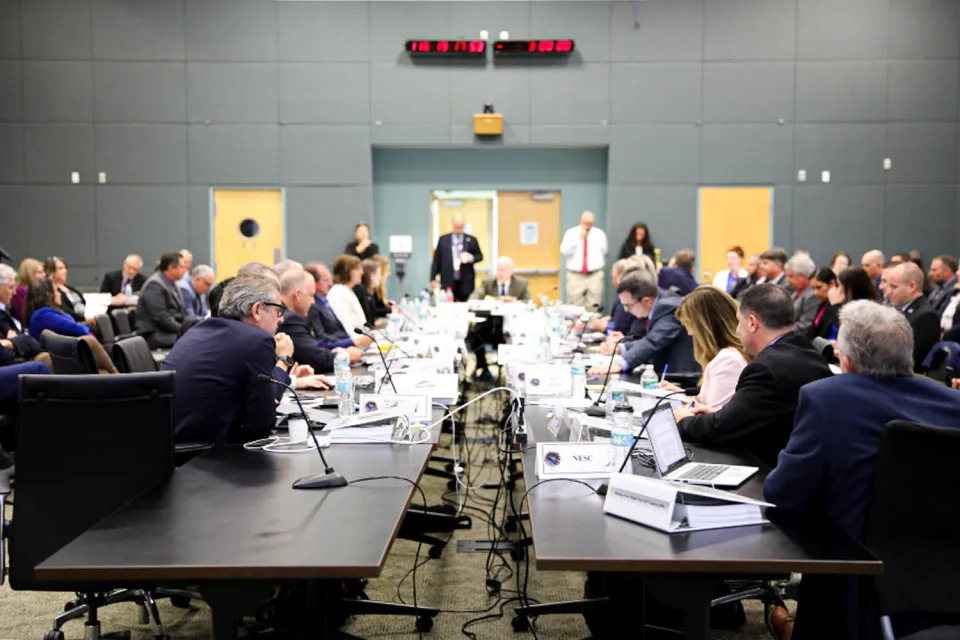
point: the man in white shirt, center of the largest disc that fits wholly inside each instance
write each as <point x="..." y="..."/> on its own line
<point x="585" y="248"/>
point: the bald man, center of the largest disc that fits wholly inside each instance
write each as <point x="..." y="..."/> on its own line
<point x="453" y="260"/>
<point x="903" y="287"/>
<point x="872" y="262"/>
<point x="584" y="248"/>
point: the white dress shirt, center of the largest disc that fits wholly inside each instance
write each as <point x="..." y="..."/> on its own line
<point x="346" y="307"/>
<point x="720" y="280"/>
<point x="720" y="377"/>
<point x="946" y="320"/>
<point x="572" y="249"/>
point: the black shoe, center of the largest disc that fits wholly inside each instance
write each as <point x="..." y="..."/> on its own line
<point x="485" y="376"/>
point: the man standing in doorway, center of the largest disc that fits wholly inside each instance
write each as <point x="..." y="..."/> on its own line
<point x="453" y="261"/>
<point x="585" y="248"/>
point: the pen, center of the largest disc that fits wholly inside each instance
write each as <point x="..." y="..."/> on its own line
<point x="663" y="376"/>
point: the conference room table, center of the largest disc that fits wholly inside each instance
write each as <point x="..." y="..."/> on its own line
<point x="570" y="532"/>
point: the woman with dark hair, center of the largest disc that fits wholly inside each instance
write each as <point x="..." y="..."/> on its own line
<point x="73" y="301"/>
<point x="365" y="291"/>
<point x="839" y="261"/>
<point x="381" y="304"/>
<point x="638" y="240"/>
<point x="824" y="323"/>
<point x="853" y="283"/>
<point x="347" y="274"/>
<point x="362" y="247"/>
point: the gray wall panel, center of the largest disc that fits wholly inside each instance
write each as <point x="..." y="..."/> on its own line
<point x="198" y="207"/>
<point x="405" y="94"/>
<point x="467" y="19"/>
<point x="62" y="222"/>
<point x="412" y="134"/>
<point x="668" y="154"/>
<point x="572" y="94"/>
<point x="852" y="153"/>
<point x="55" y="29"/>
<point x="325" y="155"/>
<point x="9" y="29"/>
<point x="571" y="135"/>
<point x="671" y="212"/>
<point x="324" y="31"/>
<point x="923" y="152"/>
<point x="140" y="91"/>
<point x="923" y="89"/>
<point x="507" y="88"/>
<point x="11" y="91"/>
<point x="655" y="31"/>
<point x="513" y="134"/>
<point x="58" y="91"/>
<point x="587" y="23"/>
<point x="749" y="30"/>
<point x="841" y="91"/>
<point x="642" y="93"/>
<point x="138" y="30"/>
<point x="232" y="92"/>
<point x="234" y="154"/>
<point x="827" y="29"/>
<point x="747" y="91"/>
<point x="913" y="211"/>
<point x="325" y="218"/>
<point x="143" y="220"/>
<point x="142" y="154"/>
<point x="924" y="29"/>
<point x="747" y="154"/>
<point x="325" y="93"/>
<point x="53" y="151"/>
<point x="13" y="220"/>
<point x="393" y="23"/>
<point x="223" y="30"/>
<point x="820" y="207"/>
<point x="11" y="153"/>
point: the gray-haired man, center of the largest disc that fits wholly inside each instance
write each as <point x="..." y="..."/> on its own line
<point x="799" y="269"/>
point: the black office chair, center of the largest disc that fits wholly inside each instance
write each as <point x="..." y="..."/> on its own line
<point x="109" y="438"/>
<point x="914" y="523"/>
<point x="104" y="330"/>
<point x="122" y="322"/>
<point x="132" y="355"/>
<point x="70" y="356"/>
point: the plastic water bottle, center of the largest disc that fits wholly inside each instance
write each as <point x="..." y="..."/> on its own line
<point x="128" y="290"/>
<point x="621" y="434"/>
<point x="341" y="368"/>
<point x="615" y="395"/>
<point x="649" y="378"/>
<point x="578" y="377"/>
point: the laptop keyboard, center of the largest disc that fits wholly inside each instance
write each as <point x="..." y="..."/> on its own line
<point x="702" y="472"/>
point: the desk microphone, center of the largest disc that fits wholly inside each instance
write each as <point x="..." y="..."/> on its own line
<point x="596" y="411"/>
<point x="602" y="489"/>
<point x="386" y="367"/>
<point x="330" y="478"/>
<point x="584" y="318"/>
<point x="415" y="324"/>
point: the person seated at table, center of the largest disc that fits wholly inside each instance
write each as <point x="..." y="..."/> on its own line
<point x="194" y="290"/>
<point x="727" y="279"/>
<point x="504" y="286"/>
<point x="329" y="333"/>
<point x="382" y="306"/>
<point x="621" y="322"/>
<point x="825" y="320"/>
<point x="161" y="316"/>
<point x="29" y="270"/>
<point x="25" y="347"/>
<point x="678" y="277"/>
<point x="347" y="274"/>
<point x="116" y="282"/>
<point x="665" y="344"/>
<point x="800" y="269"/>
<point x="73" y="301"/>
<point x="369" y="281"/>
<point x="248" y="269"/>
<point x="710" y="316"/>
<point x="827" y="467"/>
<point x="759" y="416"/>
<point x="218" y="363"/>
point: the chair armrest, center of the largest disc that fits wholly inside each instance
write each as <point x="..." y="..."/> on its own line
<point x="3" y="537"/>
<point x="184" y="452"/>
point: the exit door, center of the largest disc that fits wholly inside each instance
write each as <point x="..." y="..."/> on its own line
<point x="247" y="227"/>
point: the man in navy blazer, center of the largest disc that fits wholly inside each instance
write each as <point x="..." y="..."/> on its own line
<point x="679" y="278"/>
<point x="453" y="261"/>
<point x="827" y="468"/>
<point x="328" y="330"/>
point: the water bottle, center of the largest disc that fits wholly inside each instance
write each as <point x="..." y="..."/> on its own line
<point x="449" y="297"/>
<point x="621" y="434"/>
<point x="615" y="395"/>
<point x="341" y="368"/>
<point x="578" y="377"/>
<point x="128" y="290"/>
<point x="649" y="379"/>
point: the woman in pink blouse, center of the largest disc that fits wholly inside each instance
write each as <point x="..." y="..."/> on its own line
<point x="710" y="316"/>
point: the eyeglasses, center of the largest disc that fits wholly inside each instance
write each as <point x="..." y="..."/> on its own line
<point x="281" y="308"/>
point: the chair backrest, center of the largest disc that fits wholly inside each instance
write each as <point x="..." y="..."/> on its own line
<point x="132" y="355"/>
<point x="69" y="355"/>
<point x="105" y="329"/>
<point x="914" y="519"/>
<point x="87" y="446"/>
<point x="121" y="320"/>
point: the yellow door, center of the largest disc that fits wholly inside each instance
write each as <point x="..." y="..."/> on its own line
<point x="732" y="216"/>
<point x="476" y="217"/>
<point x="528" y="230"/>
<point x="247" y="227"/>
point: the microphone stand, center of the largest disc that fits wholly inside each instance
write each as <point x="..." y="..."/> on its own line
<point x="330" y="478"/>
<point x="386" y="367"/>
<point x="596" y="411"/>
<point x="576" y="349"/>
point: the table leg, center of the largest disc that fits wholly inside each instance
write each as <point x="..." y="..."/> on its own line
<point x="690" y="593"/>
<point x="229" y="601"/>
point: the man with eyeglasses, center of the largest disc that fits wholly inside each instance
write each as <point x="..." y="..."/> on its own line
<point x="221" y="396"/>
<point x="194" y="290"/>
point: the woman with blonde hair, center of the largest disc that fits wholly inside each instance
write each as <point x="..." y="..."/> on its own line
<point x="710" y="316"/>
<point x="381" y="304"/>
<point x="30" y="270"/>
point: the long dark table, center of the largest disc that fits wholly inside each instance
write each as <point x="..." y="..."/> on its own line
<point x="570" y="532"/>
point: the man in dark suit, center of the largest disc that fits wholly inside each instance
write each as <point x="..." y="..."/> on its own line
<point x="326" y="327"/>
<point x="679" y="278"/>
<point x="504" y="285"/>
<point x="827" y="468"/>
<point x="115" y="282"/>
<point x="297" y="290"/>
<point x="193" y="290"/>
<point x="771" y="264"/>
<point x="799" y="270"/>
<point x="23" y="347"/>
<point x="453" y="261"/>
<point x="759" y="416"/>
<point x="943" y="272"/>
<point x="161" y="316"/>
<point x="872" y="262"/>
<point x="903" y="287"/>
<point x="666" y="342"/>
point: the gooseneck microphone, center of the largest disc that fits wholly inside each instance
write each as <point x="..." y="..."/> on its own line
<point x="329" y="479"/>
<point x="386" y="367"/>
<point x="596" y="411"/>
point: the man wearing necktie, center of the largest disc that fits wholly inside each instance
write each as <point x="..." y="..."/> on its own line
<point x="585" y="249"/>
<point x="453" y="260"/>
<point x="161" y="315"/>
<point x="506" y="287"/>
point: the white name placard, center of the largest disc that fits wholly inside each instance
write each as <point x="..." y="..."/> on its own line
<point x="574" y="460"/>
<point x="419" y="407"/>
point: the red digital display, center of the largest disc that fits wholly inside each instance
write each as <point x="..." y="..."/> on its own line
<point x="533" y="48"/>
<point x="446" y="47"/>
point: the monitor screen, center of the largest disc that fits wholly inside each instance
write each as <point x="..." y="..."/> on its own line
<point x="664" y="438"/>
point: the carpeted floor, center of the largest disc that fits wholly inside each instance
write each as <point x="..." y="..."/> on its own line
<point x="454" y="583"/>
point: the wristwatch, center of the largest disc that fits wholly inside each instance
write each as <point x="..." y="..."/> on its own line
<point x="287" y="360"/>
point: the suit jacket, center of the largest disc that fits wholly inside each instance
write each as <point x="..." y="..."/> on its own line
<point x="369" y="252"/>
<point x="75" y="312"/>
<point x="306" y="349"/>
<point x="805" y="307"/>
<point x="742" y="285"/>
<point x="443" y="262"/>
<point x="780" y="280"/>
<point x="326" y="327"/>
<point x="366" y="302"/>
<point x="759" y="416"/>
<point x="518" y="288"/>
<point x="827" y="323"/>
<point x="926" y="329"/>
<point x="677" y="280"/>
<point x="25" y="347"/>
<point x="193" y="302"/>
<point x="666" y="341"/>
<point x="940" y="296"/>
<point x="160" y="312"/>
<point x="827" y="469"/>
<point x="219" y="397"/>
<point x="112" y="281"/>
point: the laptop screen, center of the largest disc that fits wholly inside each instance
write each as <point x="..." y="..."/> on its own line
<point x="665" y="439"/>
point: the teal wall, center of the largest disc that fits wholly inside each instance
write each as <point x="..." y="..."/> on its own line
<point x="403" y="179"/>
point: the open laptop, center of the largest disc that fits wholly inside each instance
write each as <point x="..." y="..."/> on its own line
<point x="671" y="459"/>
